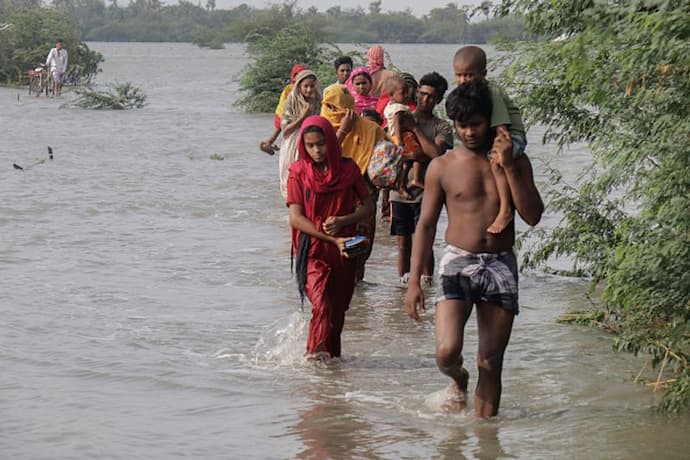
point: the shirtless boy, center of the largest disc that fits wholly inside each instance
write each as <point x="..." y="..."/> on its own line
<point x="477" y="267"/>
<point x="469" y="63"/>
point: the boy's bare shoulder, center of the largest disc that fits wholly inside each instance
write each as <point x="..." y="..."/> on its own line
<point x="458" y="154"/>
<point x="439" y="166"/>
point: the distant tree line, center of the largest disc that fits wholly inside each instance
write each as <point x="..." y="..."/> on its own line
<point x="152" y="21"/>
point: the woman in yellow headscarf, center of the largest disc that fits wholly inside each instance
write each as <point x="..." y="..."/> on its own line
<point x="357" y="137"/>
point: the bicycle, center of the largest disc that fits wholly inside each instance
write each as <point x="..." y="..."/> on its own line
<point x="40" y="80"/>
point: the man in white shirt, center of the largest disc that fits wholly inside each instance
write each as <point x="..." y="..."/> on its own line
<point x="57" y="65"/>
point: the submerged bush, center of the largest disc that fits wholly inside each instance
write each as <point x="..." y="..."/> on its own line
<point x="121" y="96"/>
<point x="208" y="38"/>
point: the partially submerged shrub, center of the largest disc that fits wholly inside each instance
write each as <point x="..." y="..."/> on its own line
<point x="120" y="96"/>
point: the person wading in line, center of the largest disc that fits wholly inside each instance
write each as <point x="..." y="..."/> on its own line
<point x="477" y="267"/>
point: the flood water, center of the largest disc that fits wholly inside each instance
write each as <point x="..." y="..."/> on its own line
<point x="148" y="309"/>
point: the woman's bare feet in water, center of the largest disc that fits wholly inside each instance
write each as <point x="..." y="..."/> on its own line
<point x="457" y="394"/>
<point x="502" y="220"/>
<point x="319" y="356"/>
<point x="267" y="147"/>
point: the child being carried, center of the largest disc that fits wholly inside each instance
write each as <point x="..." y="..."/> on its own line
<point x="395" y="112"/>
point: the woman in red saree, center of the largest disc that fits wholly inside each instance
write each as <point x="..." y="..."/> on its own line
<point x="324" y="190"/>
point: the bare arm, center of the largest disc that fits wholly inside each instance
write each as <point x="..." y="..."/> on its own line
<point x="346" y="125"/>
<point x="333" y="224"/>
<point x="526" y="198"/>
<point x="274" y="136"/>
<point x="434" y="198"/>
<point x="293" y="125"/>
<point x="397" y="125"/>
<point x="523" y="191"/>
<point x="300" y="222"/>
<point x="430" y="149"/>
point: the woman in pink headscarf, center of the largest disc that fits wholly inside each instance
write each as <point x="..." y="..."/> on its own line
<point x="377" y="70"/>
<point x="327" y="196"/>
<point x="360" y="86"/>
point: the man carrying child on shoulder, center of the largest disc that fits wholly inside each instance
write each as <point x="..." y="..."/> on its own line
<point x="477" y="267"/>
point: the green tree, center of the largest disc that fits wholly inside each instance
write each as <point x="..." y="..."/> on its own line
<point x="375" y="8"/>
<point x="272" y="58"/>
<point x="616" y="75"/>
<point x="447" y="24"/>
<point x="27" y="42"/>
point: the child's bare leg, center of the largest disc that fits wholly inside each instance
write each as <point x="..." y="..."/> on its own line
<point x="416" y="180"/>
<point x="505" y="210"/>
<point x="403" y="190"/>
<point x="385" y="205"/>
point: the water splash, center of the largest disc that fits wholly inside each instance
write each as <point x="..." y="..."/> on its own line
<point x="282" y="346"/>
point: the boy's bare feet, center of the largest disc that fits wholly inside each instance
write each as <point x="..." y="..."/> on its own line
<point x="500" y="222"/>
<point x="267" y="147"/>
<point x="457" y="394"/>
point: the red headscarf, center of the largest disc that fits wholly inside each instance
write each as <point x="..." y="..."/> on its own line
<point x="341" y="173"/>
<point x="295" y="70"/>
<point x="375" y="58"/>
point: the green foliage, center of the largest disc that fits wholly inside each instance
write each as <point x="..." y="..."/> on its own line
<point x="617" y="77"/>
<point x="208" y="38"/>
<point x="272" y="58"/>
<point x="120" y="96"/>
<point x="29" y="36"/>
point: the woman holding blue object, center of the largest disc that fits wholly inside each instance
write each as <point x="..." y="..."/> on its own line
<point x="327" y="196"/>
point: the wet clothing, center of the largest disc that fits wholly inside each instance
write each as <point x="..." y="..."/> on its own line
<point x="404" y="218"/>
<point x="358" y="145"/>
<point x="329" y="278"/>
<point x="479" y="277"/>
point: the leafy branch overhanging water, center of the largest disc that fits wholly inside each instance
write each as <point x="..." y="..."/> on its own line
<point x="616" y="76"/>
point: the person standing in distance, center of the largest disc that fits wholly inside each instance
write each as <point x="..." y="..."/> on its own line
<point x="57" y="65"/>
